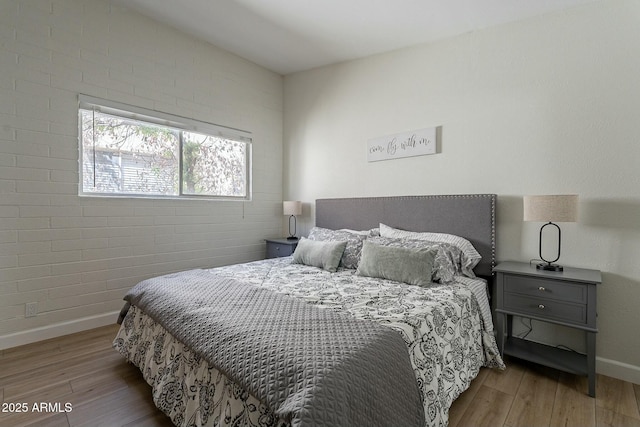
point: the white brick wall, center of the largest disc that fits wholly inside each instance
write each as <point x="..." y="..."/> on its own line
<point x="77" y="256"/>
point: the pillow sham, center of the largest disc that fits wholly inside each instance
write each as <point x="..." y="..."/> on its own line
<point x="444" y="265"/>
<point x="411" y="266"/>
<point x="469" y="257"/>
<point x="325" y="255"/>
<point x="351" y="255"/>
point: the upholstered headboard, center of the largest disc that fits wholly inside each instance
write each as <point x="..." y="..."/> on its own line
<point x="471" y="216"/>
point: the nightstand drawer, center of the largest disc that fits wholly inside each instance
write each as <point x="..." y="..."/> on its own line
<point x="547" y="289"/>
<point x="546" y="308"/>
<point x="277" y="249"/>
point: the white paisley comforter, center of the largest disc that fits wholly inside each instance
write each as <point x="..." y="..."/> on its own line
<point x="447" y="329"/>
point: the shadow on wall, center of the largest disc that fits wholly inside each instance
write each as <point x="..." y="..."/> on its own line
<point x="509" y="227"/>
<point x="611" y="213"/>
<point x="619" y="295"/>
<point x="619" y="221"/>
<point x="618" y="302"/>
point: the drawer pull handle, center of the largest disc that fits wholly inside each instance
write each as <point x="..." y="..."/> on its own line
<point x="541" y="289"/>
<point x="541" y="306"/>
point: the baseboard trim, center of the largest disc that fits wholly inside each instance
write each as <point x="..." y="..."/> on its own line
<point x="619" y="370"/>
<point x="57" y="330"/>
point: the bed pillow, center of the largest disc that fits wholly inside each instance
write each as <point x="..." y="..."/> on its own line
<point x="351" y="255"/>
<point x="411" y="266"/>
<point x="469" y="257"/>
<point x="444" y="264"/>
<point x="325" y="255"/>
<point x="368" y="233"/>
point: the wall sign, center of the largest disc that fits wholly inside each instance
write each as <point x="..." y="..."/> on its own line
<point x="407" y="144"/>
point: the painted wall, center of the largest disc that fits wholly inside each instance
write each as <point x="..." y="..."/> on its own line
<point x="550" y="105"/>
<point x="76" y="257"/>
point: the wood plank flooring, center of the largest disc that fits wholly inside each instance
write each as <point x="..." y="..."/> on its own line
<point x="82" y="370"/>
<point x="526" y="394"/>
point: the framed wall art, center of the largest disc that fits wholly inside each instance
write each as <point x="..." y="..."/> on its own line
<point x="407" y="144"/>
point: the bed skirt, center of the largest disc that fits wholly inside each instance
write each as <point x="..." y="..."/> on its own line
<point x="184" y="386"/>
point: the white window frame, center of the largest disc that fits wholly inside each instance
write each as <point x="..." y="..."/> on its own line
<point x="164" y="120"/>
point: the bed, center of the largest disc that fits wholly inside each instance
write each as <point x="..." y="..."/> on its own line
<point x="392" y="348"/>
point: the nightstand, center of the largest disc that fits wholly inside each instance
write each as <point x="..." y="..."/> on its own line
<point x="280" y="247"/>
<point x="565" y="298"/>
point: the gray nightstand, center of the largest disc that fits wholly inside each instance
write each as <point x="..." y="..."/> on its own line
<point x="565" y="298"/>
<point x="280" y="247"/>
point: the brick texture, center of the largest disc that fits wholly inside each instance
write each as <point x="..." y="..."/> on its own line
<point x="77" y="256"/>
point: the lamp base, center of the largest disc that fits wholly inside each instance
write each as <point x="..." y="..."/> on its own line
<point x="292" y="238"/>
<point x="549" y="267"/>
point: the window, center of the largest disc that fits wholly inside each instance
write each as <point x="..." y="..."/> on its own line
<point x="129" y="151"/>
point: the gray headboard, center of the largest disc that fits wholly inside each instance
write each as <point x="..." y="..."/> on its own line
<point x="471" y="216"/>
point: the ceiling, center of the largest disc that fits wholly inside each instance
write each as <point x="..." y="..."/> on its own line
<point x="294" y="35"/>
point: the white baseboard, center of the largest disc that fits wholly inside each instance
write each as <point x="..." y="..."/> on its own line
<point x="57" y="330"/>
<point x="619" y="370"/>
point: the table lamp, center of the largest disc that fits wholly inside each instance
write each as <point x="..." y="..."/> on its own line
<point x="551" y="209"/>
<point x="292" y="208"/>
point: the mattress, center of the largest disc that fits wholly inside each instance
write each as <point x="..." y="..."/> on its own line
<point x="447" y="329"/>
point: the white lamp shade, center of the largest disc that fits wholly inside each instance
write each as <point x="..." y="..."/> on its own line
<point x="555" y="208"/>
<point x="291" y="208"/>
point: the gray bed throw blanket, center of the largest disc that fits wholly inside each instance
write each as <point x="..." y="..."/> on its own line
<point x="312" y="366"/>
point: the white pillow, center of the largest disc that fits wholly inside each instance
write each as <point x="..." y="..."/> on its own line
<point x="470" y="256"/>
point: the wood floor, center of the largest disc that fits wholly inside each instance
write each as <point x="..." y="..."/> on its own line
<point x="101" y="389"/>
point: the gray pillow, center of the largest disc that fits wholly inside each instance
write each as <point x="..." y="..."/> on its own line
<point x="412" y="266"/>
<point x="444" y="263"/>
<point x="469" y="256"/>
<point x="325" y="255"/>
